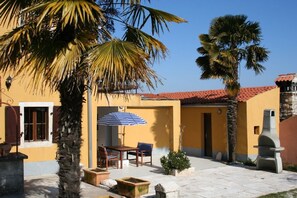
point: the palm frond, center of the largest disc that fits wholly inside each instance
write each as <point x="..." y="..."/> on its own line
<point x="254" y="56"/>
<point x="152" y="46"/>
<point x="209" y="45"/>
<point x="76" y="12"/>
<point x="66" y="61"/>
<point x="10" y="10"/>
<point x="123" y="3"/>
<point x="201" y="50"/>
<point x="230" y="30"/>
<point x="226" y="58"/>
<point x="212" y="69"/>
<point x="118" y="62"/>
<point x="50" y="48"/>
<point x="139" y="15"/>
<point x="15" y="45"/>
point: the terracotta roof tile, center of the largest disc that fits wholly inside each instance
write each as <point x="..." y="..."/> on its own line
<point x="153" y="96"/>
<point x="209" y="96"/>
<point x="285" y="77"/>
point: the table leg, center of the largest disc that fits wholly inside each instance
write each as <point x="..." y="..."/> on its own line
<point x="137" y="157"/>
<point x="121" y="159"/>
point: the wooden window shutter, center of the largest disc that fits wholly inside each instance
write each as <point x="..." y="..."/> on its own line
<point x="56" y="118"/>
<point x="12" y="124"/>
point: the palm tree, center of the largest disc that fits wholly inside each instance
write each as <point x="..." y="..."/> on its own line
<point x="69" y="45"/>
<point x="231" y="40"/>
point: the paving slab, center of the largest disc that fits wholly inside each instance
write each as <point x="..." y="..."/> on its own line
<point x="210" y="179"/>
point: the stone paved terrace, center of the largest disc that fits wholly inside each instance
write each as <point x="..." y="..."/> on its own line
<point x="210" y="179"/>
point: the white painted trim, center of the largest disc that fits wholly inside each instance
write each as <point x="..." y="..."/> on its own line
<point x="48" y="143"/>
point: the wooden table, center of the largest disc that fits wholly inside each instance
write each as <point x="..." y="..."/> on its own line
<point x="122" y="149"/>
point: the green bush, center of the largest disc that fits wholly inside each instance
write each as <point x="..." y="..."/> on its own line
<point x="292" y="168"/>
<point x="175" y="160"/>
<point x="250" y="162"/>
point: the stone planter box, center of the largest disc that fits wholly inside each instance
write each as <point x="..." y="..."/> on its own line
<point x="12" y="174"/>
<point x="132" y="187"/>
<point x="185" y="172"/>
<point x="95" y="176"/>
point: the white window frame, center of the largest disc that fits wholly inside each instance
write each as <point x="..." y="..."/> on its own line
<point x="46" y="143"/>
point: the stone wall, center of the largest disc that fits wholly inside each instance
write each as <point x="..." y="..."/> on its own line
<point x="294" y="103"/>
<point x="286" y="104"/>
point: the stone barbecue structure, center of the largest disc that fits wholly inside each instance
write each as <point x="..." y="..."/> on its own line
<point x="269" y="145"/>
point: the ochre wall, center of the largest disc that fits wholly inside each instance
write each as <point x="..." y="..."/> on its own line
<point x="288" y="140"/>
<point x="20" y="91"/>
<point x="241" y="129"/>
<point x="157" y="130"/>
<point x="255" y="112"/>
<point x="193" y="135"/>
<point x="162" y="116"/>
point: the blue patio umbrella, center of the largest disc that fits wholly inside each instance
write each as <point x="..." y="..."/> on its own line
<point x="121" y="119"/>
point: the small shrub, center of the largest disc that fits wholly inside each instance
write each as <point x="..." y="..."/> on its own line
<point x="249" y="162"/>
<point x="292" y="168"/>
<point x="175" y="160"/>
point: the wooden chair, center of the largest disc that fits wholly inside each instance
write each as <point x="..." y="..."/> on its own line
<point x="144" y="150"/>
<point x="104" y="157"/>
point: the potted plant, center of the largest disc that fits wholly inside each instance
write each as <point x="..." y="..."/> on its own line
<point x="132" y="187"/>
<point x="95" y="175"/>
<point x="175" y="162"/>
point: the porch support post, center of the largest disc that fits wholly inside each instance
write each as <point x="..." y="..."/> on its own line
<point x="90" y="145"/>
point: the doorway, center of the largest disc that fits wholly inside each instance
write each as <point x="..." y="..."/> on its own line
<point x="207" y="135"/>
<point x="106" y="135"/>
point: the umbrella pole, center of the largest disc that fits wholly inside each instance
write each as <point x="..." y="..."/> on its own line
<point x="123" y="140"/>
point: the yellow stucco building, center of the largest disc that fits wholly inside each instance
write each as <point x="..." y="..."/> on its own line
<point x="204" y="121"/>
<point x="192" y="121"/>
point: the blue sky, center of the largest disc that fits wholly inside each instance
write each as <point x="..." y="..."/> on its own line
<point x="179" y="72"/>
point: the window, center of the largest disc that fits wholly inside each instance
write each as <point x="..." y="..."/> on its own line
<point x="36" y="124"/>
<point x="256" y="130"/>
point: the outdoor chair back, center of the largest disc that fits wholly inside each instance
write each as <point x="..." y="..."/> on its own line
<point x="144" y="150"/>
<point x="104" y="158"/>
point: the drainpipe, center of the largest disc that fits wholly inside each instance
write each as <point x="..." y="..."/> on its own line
<point x="89" y="103"/>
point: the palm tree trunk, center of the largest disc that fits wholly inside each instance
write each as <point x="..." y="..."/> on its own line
<point x="71" y="98"/>
<point x="232" y="127"/>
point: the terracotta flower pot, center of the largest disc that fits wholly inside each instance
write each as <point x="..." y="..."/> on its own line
<point x="95" y="176"/>
<point x="132" y="187"/>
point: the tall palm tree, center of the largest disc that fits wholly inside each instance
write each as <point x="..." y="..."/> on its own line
<point x="231" y="40"/>
<point x="69" y="45"/>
